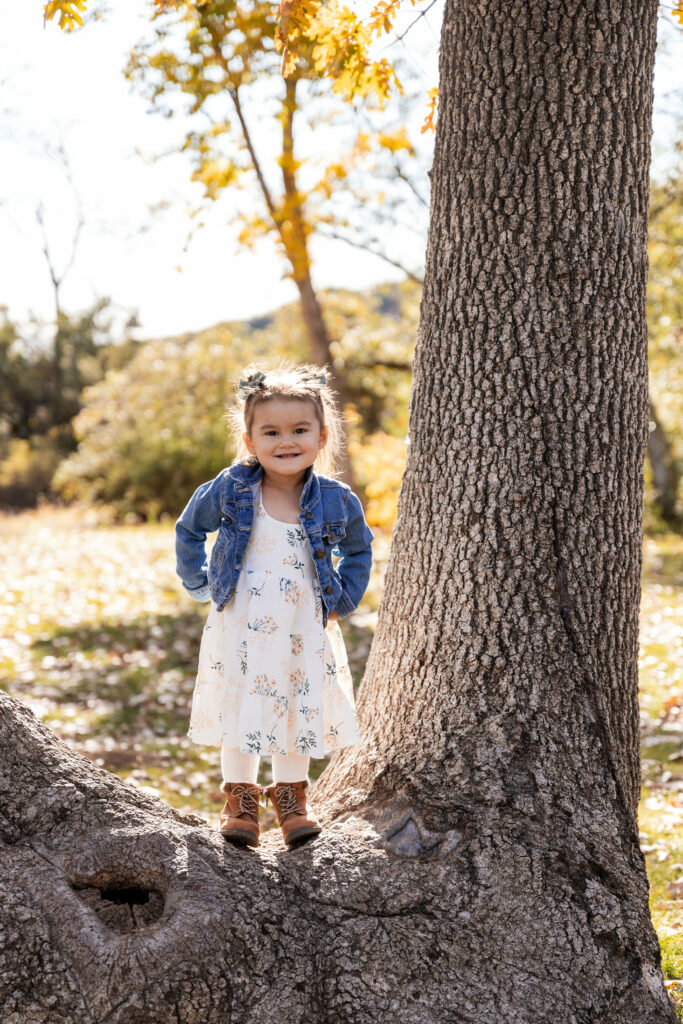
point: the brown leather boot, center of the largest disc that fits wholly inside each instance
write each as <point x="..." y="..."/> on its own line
<point x="239" y="817"/>
<point x="293" y="813"/>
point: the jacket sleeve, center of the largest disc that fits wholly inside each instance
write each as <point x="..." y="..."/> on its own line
<point x="355" y="557"/>
<point x="201" y="515"/>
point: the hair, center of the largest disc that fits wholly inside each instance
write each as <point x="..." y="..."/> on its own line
<point x="286" y="380"/>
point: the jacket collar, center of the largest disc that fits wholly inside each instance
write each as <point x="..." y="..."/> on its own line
<point x="248" y="477"/>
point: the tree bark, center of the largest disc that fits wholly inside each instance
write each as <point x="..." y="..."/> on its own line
<point x="480" y="857"/>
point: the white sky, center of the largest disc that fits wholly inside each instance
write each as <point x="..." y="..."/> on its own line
<point x="69" y="89"/>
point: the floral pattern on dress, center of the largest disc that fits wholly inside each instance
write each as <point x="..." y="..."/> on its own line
<point x="264" y="687"/>
<point x="263" y="545"/>
<point x="296" y="538"/>
<point x="217" y="666"/>
<point x="254" y="742"/>
<point x="305" y="741"/>
<point x="317" y="593"/>
<point x="270" y="678"/>
<point x="291" y="593"/>
<point x="264" y="624"/>
<point x="332" y="736"/>
<point x="296" y="563"/>
<point x="299" y="681"/>
<point x="281" y="706"/>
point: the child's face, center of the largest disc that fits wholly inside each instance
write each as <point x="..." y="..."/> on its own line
<point x="285" y="436"/>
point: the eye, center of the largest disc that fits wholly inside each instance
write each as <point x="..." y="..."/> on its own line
<point x="268" y="433"/>
<point x="301" y="430"/>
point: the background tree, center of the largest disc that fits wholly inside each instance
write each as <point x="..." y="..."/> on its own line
<point x="223" y="57"/>
<point x="44" y="366"/>
<point x="41" y="390"/>
<point x="341" y="50"/>
<point x="665" y="330"/>
<point x="480" y="859"/>
<point x="154" y="429"/>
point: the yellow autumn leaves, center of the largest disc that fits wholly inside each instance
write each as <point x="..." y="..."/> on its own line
<point x="336" y="38"/>
<point x="340" y="45"/>
<point x="68" y="11"/>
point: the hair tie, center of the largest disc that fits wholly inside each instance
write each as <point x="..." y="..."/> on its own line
<point x="315" y="380"/>
<point x="248" y="385"/>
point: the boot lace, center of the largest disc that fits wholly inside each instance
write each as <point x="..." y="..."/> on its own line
<point x="247" y="800"/>
<point x="287" y="800"/>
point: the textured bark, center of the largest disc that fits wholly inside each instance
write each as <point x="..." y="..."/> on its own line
<point x="480" y="860"/>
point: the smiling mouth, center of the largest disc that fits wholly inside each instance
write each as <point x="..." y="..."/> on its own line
<point x="294" y="455"/>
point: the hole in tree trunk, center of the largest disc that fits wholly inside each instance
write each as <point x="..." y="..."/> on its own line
<point x="122" y="907"/>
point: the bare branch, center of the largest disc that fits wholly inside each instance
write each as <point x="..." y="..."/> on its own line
<point x="272" y="209"/>
<point x="369" y="247"/>
<point x="402" y="36"/>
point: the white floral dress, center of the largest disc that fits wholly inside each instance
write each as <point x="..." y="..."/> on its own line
<point x="271" y="678"/>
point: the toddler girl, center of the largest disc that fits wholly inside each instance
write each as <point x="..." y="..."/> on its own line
<point x="273" y="676"/>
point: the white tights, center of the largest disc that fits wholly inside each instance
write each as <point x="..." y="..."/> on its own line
<point x="239" y="767"/>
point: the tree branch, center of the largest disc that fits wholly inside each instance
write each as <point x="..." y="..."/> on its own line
<point x="368" y="247"/>
<point x="272" y="208"/>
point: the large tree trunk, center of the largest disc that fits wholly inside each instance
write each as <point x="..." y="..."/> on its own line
<point x="480" y="860"/>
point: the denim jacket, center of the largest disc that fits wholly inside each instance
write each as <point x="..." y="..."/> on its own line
<point x="330" y="514"/>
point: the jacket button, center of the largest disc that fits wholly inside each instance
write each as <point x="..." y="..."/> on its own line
<point x="328" y="590"/>
<point x="320" y="554"/>
<point x="309" y="515"/>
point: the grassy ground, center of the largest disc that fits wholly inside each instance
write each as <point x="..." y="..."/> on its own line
<point x="661" y="704"/>
<point x="102" y="643"/>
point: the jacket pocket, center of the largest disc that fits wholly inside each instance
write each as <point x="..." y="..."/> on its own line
<point x="334" y="532"/>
